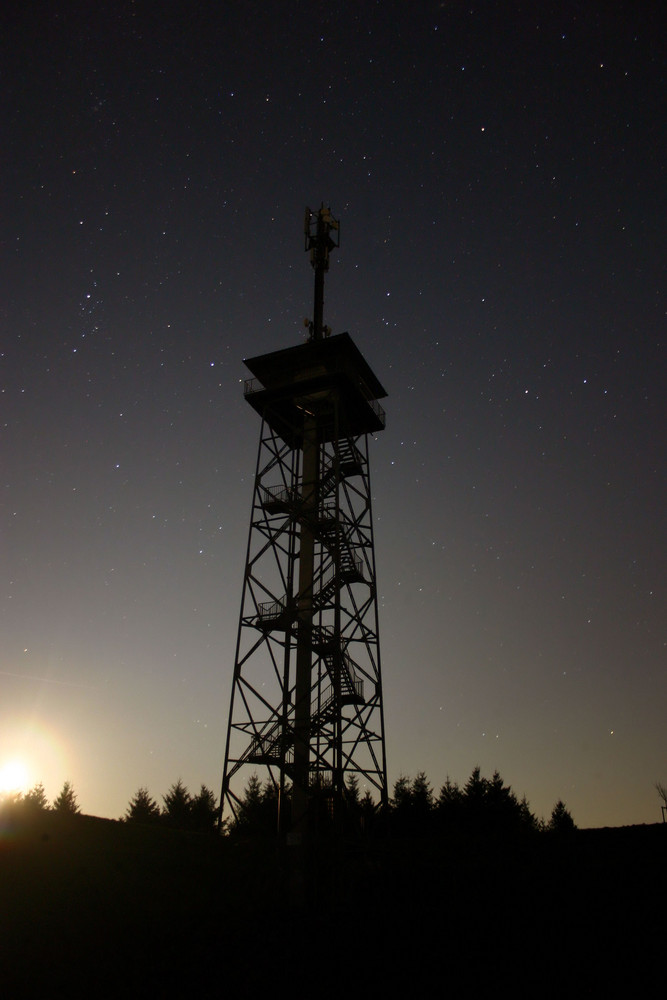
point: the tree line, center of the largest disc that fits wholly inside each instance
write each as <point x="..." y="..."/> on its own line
<point x="35" y="801"/>
<point x="482" y="805"/>
<point x="181" y="810"/>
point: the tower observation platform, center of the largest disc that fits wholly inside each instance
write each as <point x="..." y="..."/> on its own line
<point x="306" y="704"/>
<point x="310" y="377"/>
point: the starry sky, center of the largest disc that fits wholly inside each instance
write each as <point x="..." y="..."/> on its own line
<point x="499" y="172"/>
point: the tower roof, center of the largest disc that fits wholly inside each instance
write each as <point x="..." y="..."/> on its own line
<point x="299" y="377"/>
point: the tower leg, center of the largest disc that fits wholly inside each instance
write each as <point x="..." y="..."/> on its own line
<point x="304" y="645"/>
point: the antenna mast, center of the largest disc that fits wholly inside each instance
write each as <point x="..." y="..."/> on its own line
<point x="318" y="227"/>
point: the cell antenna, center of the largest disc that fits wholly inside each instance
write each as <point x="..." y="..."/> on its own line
<point x="322" y="234"/>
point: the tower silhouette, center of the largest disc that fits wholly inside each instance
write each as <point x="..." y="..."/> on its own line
<point x="306" y="700"/>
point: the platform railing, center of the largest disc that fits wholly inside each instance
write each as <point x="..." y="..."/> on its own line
<point x="251" y="385"/>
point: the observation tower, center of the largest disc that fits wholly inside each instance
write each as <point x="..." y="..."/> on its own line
<point x="306" y="703"/>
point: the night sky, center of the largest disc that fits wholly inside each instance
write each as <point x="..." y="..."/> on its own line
<point x="499" y="172"/>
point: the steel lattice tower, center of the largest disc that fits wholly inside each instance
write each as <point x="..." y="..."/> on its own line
<point x="306" y="699"/>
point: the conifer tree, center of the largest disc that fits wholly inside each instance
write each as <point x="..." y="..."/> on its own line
<point x="421" y="795"/>
<point x="367" y="808"/>
<point x="36" y="797"/>
<point x="177" y="810"/>
<point x="142" y="808"/>
<point x="402" y="794"/>
<point x="352" y="790"/>
<point x="66" y="803"/>
<point x="250" y="813"/>
<point x="204" y="811"/>
<point x="561" y="821"/>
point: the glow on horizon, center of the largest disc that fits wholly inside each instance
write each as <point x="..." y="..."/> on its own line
<point x="32" y="753"/>
<point x="14" y="776"/>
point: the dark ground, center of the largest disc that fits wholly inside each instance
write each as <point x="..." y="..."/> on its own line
<point x="92" y="907"/>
